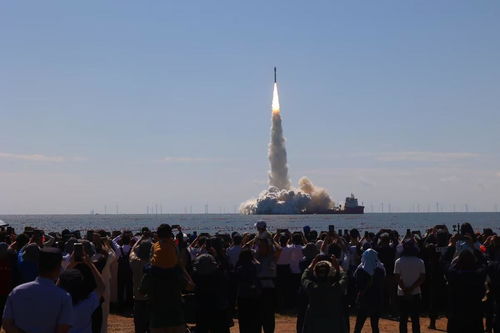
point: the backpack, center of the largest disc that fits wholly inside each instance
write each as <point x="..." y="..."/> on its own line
<point x="124" y="269"/>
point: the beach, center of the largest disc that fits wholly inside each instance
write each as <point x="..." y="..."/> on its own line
<point x="285" y="324"/>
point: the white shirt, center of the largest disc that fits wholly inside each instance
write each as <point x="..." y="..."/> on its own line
<point x="284" y="258"/>
<point x="409" y="269"/>
<point x="294" y="257"/>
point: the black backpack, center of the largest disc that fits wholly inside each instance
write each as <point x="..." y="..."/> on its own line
<point x="124" y="264"/>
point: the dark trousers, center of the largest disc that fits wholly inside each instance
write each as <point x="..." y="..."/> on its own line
<point x="266" y="310"/>
<point x="3" y="300"/>
<point x="409" y="308"/>
<point x="247" y="315"/>
<point x="282" y="287"/>
<point x="361" y="318"/>
<point x="141" y="316"/>
<point x="124" y="288"/>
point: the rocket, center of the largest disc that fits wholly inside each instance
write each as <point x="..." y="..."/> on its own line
<point x="275" y="74"/>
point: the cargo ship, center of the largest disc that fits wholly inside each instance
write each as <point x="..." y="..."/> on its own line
<point x="351" y="206"/>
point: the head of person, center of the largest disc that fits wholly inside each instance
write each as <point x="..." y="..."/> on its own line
<point x="49" y="262"/>
<point x="384" y="239"/>
<point x="164" y="231"/>
<point x="261" y="226"/>
<point x="31" y="253"/>
<point x="205" y="264"/>
<point x="442" y="237"/>
<point x="323" y="270"/>
<point x="466" y="260"/>
<point x="369" y="261"/>
<point x="21" y="240"/>
<point x="310" y="251"/>
<point x="312" y="236"/>
<point x="236" y="238"/>
<point x="246" y="257"/>
<point x="466" y="229"/>
<point x="126" y="238"/>
<point x="296" y="239"/>
<point x="283" y="240"/>
<point x="70" y="245"/>
<point x="410" y="248"/>
<point x="143" y="250"/>
<point x="72" y="281"/>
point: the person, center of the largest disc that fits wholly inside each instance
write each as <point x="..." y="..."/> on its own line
<point x="79" y="284"/>
<point x="27" y="262"/>
<point x="139" y="259"/>
<point x="309" y="252"/>
<point x="233" y="252"/>
<point x="267" y="254"/>
<point x="325" y="283"/>
<point x="124" y="276"/>
<point x="164" y="254"/>
<point x="6" y="275"/>
<point x="466" y="282"/>
<point x="212" y="299"/>
<point x="40" y="306"/>
<point x="164" y="287"/>
<point x="249" y="291"/>
<point x="369" y="277"/>
<point x="409" y="271"/>
<point x="387" y="255"/>
<point x="107" y="258"/>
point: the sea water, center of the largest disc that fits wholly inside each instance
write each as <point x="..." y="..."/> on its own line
<point x="213" y="223"/>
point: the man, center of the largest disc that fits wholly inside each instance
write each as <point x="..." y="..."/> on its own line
<point x="40" y="306"/>
<point x="409" y="271"/>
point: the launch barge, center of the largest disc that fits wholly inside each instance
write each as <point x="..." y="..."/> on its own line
<point x="351" y="206"/>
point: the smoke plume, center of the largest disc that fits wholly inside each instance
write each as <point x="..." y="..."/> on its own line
<point x="280" y="197"/>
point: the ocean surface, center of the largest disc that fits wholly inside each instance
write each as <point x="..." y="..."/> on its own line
<point x="234" y="222"/>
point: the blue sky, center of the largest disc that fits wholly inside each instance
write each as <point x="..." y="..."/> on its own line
<point x="139" y="103"/>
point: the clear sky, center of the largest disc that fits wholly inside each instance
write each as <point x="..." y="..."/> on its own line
<point x="136" y="103"/>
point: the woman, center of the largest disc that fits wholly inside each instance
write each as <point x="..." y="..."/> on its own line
<point x="325" y="283"/>
<point x="76" y="282"/>
<point x="466" y="278"/>
<point x="107" y="258"/>
<point x="267" y="254"/>
<point x="369" y="277"/>
<point x="248" y="291"/>
<point x="212" y="299"/>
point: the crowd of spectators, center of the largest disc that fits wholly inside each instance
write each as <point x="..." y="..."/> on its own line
<point x="170" y="281"/>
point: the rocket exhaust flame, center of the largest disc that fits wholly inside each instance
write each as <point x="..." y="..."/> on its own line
<point x="276" y="100"/>
<point x="280" y="198"/>
<point x="278" y="176"/>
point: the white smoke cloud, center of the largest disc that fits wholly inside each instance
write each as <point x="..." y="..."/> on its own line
<point x="280" y="198"/>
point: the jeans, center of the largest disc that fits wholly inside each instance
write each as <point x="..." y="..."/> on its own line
<point x="141" y="316"/>
<point x="409" y="307"/>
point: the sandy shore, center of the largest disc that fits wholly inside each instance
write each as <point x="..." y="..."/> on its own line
<point x="284" y="324"/>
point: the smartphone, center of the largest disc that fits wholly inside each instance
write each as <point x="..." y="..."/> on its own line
<point x="78" y="252"/>
<point x="331" y="228"/>
<point x="366" y="234"/>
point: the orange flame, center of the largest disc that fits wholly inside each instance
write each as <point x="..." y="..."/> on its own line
<point x="276" y="100"/>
